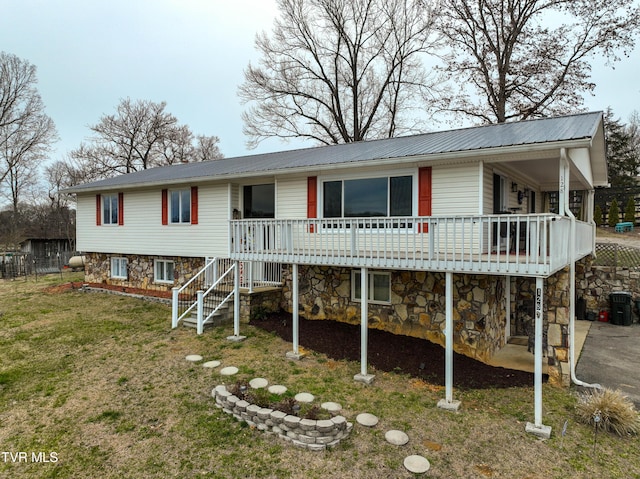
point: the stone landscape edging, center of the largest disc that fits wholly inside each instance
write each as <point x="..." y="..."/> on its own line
<point x="314" y="435"/>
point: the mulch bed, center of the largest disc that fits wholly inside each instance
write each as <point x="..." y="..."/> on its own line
<point x="390" y="352"/>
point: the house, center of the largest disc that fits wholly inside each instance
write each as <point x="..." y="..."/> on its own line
<point x="453" y="236"/>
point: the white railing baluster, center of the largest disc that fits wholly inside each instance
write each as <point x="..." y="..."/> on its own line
<point x="503" y="244"/>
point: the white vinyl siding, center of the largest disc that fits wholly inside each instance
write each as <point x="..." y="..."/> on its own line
<point x="455" y="190"/>
<point x="291" y="202"/>
<point x="144" y="233"/>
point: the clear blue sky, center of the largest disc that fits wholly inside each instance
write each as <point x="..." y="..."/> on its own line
<point x="189" y="53"/>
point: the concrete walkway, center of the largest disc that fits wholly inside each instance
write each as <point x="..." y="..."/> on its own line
<point x="516" y="356"/>
<point x="611" y="357"/>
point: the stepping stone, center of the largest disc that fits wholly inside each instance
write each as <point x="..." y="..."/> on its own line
<point x="331" y="406"/>
<point x="277" y="389"/>
<point x="366" y="419"/>
<point x="211" y="364"/>
<point x="229" y="371"/>
<point x="193" y="357"/>
<point x="304" y="397"/>
<point x="416" y="464"/>
<point x="397" y="438"/>
<point x="258" y="383"/>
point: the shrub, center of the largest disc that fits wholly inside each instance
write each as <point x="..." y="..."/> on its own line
<point x="630" y="210"/>
<point x="615" y="411"/>
<point x="614" y="213"/>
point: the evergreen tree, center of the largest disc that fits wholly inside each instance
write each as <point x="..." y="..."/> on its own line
<point x="614" y="213"/>
<point x="630" y="210"/>
<point x="597" y="216"/>
<point x="623" y="160"/>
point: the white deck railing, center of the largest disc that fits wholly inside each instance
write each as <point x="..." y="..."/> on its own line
<point x="531" y="245"/>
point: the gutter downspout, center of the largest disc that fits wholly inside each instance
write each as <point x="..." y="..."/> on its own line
<point x="572" y="282"/>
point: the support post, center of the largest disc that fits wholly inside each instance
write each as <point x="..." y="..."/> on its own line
<point x="448" y="403"/>
<point x="174" y="307"/>
<point x="200" y="311"/>
<point x="295" y="354"/>
<point x="236" y="305"/>
<point x="537" y="428"/>
<point x="363" y="377"/>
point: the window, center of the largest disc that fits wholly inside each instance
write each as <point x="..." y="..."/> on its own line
<point x="119" y="268"/>
<point x="180" y="206"/>
<point x="259" y="201"/>
<point x="110" y="213"/>
<point x="368" y="197"/>
<point x="379" y="286"/>
<point x="163" y="271"/>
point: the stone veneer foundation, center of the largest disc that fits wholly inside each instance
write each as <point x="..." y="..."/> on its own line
<point x="139" y="270"/>
<point x="417" y="306"/>
<point x="305" y="433"/>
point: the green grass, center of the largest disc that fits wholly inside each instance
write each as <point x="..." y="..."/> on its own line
<point x="101" y="380"/>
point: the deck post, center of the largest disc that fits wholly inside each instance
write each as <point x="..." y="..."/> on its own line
<point x="295" y="354"/>
<point x="363" y="377"/>
<point x="537" y="428"/>
<point x="448" y="403"/>
<point x="174" y="307"/>
<point x="236" y="305"/>
<point x="200" y="311"/>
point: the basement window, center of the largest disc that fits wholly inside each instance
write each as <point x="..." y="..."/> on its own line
<point x="379" y="286"/>
<point x="163" y="271"/>
<point x="119" y="268"/>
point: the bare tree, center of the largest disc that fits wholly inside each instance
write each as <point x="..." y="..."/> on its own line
<point x="516" y="59"/>
<point x="26" y="132"/>
<point x="207" y="148"/>
<point x="140" y="135"/>
<point x="338" y="71"/>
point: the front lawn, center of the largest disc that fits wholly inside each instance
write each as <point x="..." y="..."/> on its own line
<point x="97" y="385"/>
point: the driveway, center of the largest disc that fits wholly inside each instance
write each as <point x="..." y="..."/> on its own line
<point x="611" y="358"/>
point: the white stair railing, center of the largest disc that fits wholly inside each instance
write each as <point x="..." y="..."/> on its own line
<point x="215" y="297"/>
<point x="186" y="295"/>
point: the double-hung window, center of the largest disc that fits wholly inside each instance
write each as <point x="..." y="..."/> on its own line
<point x="119" y="268"/>
<point x="163" y="271"/>
<point x="379" y="286"/>
<point x="110" y="209"/>
<point x="368" y="197"/>
<point x="180" y="206"/>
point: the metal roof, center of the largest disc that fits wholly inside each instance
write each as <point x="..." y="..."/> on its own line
<point x="530" y="132"/>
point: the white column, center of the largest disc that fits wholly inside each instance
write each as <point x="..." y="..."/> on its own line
<point x="174" y="307"/>
<point x="537" y="427"/>
<point x="364" y="327"/>
<point x="448" y="403"/>
<point x="295" y="354"/>
<point x="236" y="305"/>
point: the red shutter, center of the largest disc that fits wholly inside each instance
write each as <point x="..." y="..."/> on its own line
<point x="312" y="199"/>
<point x="121" y="209"/>
<point x="165" y="207"/>
<point x="98" y="211"/>
<point x="424" y="196"/>
<point x="194" y="205"/>
<point x="424" y="191"/>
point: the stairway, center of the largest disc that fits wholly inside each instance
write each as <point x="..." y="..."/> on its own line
<point x="224" y="315"/>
